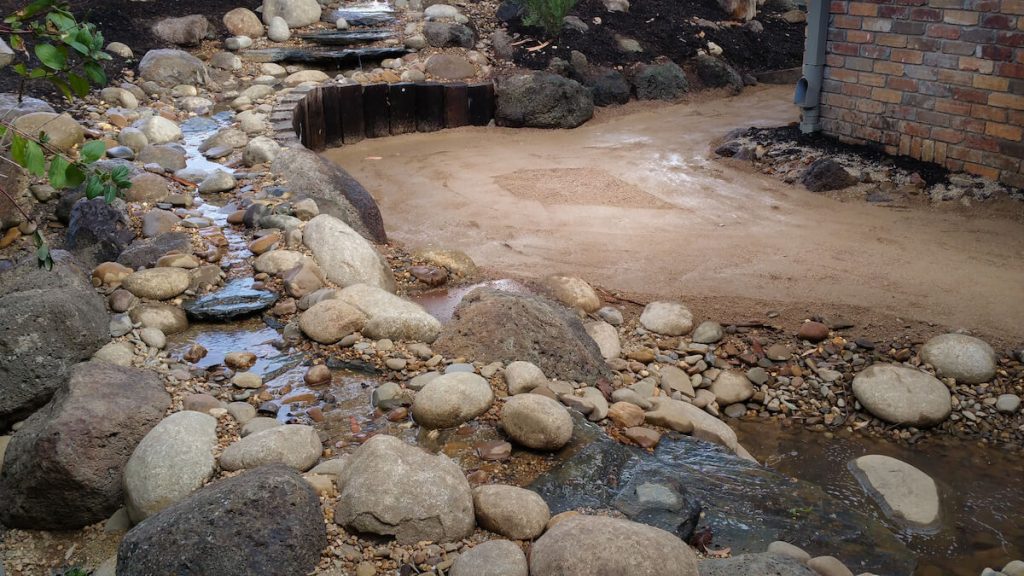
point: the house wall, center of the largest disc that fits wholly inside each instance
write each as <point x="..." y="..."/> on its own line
<point x="937" y="80"/>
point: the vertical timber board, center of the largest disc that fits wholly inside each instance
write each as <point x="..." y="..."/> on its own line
<point x="375" y="110"/>
<point x="481" y="103"/>
<point x="456" y="105"/>
<point x="332" y="115"/>
<point x="402" y="100"/>
<point x="299" y="121"/>
<point x="351" y="98"/>
<point x="315" y="124"/>
<point x="429" y="106"/>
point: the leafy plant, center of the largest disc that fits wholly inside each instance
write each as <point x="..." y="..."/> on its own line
<point x="70" y="52"/>
<point x="548" y="14"/>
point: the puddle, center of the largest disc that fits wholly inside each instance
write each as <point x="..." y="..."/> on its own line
<point x="441" y="304"/>
<point x="980" y="488"/>
<point x="219" y="339"/>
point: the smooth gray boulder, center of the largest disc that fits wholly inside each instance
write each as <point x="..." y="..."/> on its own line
<point x="492" y="558"/>
<point x="452" y="399"/>
<point x="968" y="359"/>
<point x="294" y="445"/>
<point x="542" y="100"/>
<point x="297" y="13"/>
<point x="49" y="321"/>
<point x="901" y="395"/>
<point x="264" y="521"/>
<point x="173" y="460"/>
<point x="903" y="492"/>
<point x="172" y="67"/>
<point x="345" y="257"/>
<point x="513" y="512"/>
<point x="537" y="422"/>
<point x="63" y="469"/>
<point x="390" y="316"/>
<point x="667" y="318"/>
<point x="391" y="488"/>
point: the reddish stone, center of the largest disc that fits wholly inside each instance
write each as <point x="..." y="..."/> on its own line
<point x="813" y="331"/>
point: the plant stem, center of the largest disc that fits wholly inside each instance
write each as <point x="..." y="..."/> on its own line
<point x="15" y="203"/>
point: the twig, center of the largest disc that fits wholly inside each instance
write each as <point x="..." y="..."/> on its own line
<point x="13" y="201"/>
<point x="539" y="47"/>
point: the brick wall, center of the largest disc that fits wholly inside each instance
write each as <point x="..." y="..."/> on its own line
<point x="938" y="80"/>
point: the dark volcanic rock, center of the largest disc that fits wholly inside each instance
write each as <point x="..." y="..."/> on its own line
<point x="716" y="73"/>
<point x="49" y="321"/>
<point x="335" y="191"/>
<point x="63" y="469"/>
<point x="608" y="86"/>
<point x="490" y="326"/>
<point x="145" y="252"/>
<point x="826" y="174"/>
<point x="265" y="521"/>
<point x="236" y="298"/>
<point x="543" y="100"/>
<point x="97" y="232"/>
<point x="445" y="35"/>
<point x="660" y="82"/>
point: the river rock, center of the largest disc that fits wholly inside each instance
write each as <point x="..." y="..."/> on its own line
<point x="335" y="191"/>
<point x="147" y="187"/>
<point x="667" y="318"/>
<point x="260" y="150"/>
<point x="491" y="558"/>
<point x="494" y="326"/>
<point x="588" y="545"/>
<point x="451" y="399"/>
<point x="331" y="320"/>
<point x="217" y="181"/>
<point x="537" y="422"/>
<point x="303" y="279"/>
<point x="1007" y="403"/>
<point x="522" y="377"/>
<point x="716" y="73"/>
<point x="63" y="131"/>
<point x="63" y="468"/>
<point x="664" y="81"/>
<point x="606" y="337"/>
<point x="755" y="565"/>
<point x="345" y="257"/>
<point x="120" y="353"/>
<point x="157" y="222"/>
<point x="277" y="30"/>
<point x="968" y="359"/>
<point x="826" y="174"/>
<point x="573" y="292"/>
<point x="511" y="511"/>
<point x="265" y="521"/>
<point x="901" y="395"/>
<point x="904" y="493"/>
<point x="293" y="445"/>
<point x="731" y="387"/>
<point x="449" y="66"/>
<point x="236" y="299"/>
<point x="160" y="130"/>
<point x="542" y="100"/>
<point x="13" y="106"/>
<point x="243" y="22"/>
<point x="167" y="318"/>
<point x="183" y="31"/>
<point x="145" y="252"/>
<point x="708" y="332"/>
<point x="157" y="283"/>
<point x="391" y="488"/>
<point x="259" y="424"/>
<point x="97" y="232"/>
<point x="304" y="76"/>
<point x="170" y="157"/>
<point x="297" y="13"/>
<point x="389" y="316"/>
<point x="279" y="261"/>
<point x="173" y="460"/>
<point x="172" y="67"/>
<point x="36" y="352"/>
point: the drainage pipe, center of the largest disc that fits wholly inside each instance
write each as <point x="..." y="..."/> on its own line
<point x="808" y="89"/>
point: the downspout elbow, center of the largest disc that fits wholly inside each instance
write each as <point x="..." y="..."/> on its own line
<point x="808" y="89"/>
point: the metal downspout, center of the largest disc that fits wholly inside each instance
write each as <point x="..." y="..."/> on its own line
<point x="808" y="89"/>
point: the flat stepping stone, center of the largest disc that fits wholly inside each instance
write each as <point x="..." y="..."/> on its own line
<point x="236" y="298"/>
<point x="347" y="37"/>
<point x="348" y="56"/>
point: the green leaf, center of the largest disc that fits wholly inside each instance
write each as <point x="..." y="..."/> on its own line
<point x="20" y="69"/>
<point x="92" y="151"/>
<point x="74" y="176"/>
<point x="37" y="73"/>
<point x="43" y="255"/>
<point x="93" y="187"/>
<point x="58" y="172"/>
<point x="51" y="56"/>
<point x="79" y="85"/>
<point x="61" y="21"/>
<point x="19" y="150"/>
<point x="110" y="193"/>
<point x="121" y="176"/>
<point x="36" y="7"/>
<point x="95" y="73"/>
<point x="35" y="160"/>
<point x="81" y="48"/>
<point x="17" y="43"/>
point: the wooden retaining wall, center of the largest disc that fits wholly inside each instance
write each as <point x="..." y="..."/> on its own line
<point x="334" y="115"/>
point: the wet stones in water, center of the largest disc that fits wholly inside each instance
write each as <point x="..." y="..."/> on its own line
<point x="246" y="511"/>
<point x="430" y="275"/>
<point x="660" y="500"/>
<point x="318" y="375"/>
<point x="901" y="395"/>
<point x="357" y="18"/>
<point x="347" y="37"/>
<point x="825" y="174"/>
<point x="968" y="359"/>
<point x="536" y="422"/>
<point x="235" y="299"/>
<point x="905" y="494"/>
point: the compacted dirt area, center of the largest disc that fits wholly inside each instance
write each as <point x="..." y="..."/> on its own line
<point x="500" y="195"/>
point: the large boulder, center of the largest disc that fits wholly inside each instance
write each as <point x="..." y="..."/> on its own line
<point x="63" y="469"/>
<point x="901" y="395"/>
<point x="389" y="487"/>
<point x="491" y="558"/>
<point x="543" y="100"/>
<point x="145" y="252"/>
<point x="390" y="316"/>
<point x="184" y="31"/>
<point x="904" y="493"/>
<point x="297" y="13"/>
<point x="172" y="67"/>
<point x="451" y="399"/>
<point x="157" y="283"/>
<point x="494" y="326"/>
<point x="243" y="22"/>
<point x="665" y="81"/>
<point x="335" y="191"/>
<point x="511" y="511"/>
<point x="63" y="131"/>
<point x="345" y="257"/>
<point x="588" y="545"/>
<point x="265" y="521"/>
<point x="716" y="73"/>
<point x="968" y="359"/>
<point x="172" y="461"/>
<point x="49" y="321"/>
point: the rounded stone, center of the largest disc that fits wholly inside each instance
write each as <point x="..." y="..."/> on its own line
<point x="901" y="395"/>
<point x="667" y="318"/>
<point x="451" y="399"/>
<point x="169" y="319"/>
<point x="904" y="493"/>
<point x="511" y="511"/>
<point x="536" y="422"/>
<point x="571" y="291"/>
<point x="331" y="320"/>
<point x="708" y="332"/>
<point x="293" y="445"/>
<point x="521" y="377"/>
<point x="491" y="558"/>
<point x="968" y="359"/>
<point x="153" y="337"/>
<point x="1007" y="403"/>
<point x="63" y="132"/>
<point x="243" y="22"/>
<point x="160" y="130"/>
<point x="731" y="387"/>
<point x="157" y="283"/>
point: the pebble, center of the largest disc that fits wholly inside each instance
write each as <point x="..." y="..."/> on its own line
<point x="247" y="380"/>
<point x="812" y="331"/>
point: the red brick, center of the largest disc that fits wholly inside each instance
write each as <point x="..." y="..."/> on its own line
<point x="983" y="5"/>
<point x="863" y="9"/>
<point x="857" y="91"/>
<point x="915" y="129"/>
<point x="934" y="118"/>
<point x="886" y="95"/>
<point x="988" y="113"/>
<point x="894" y="68"/>
<point x="1000" y="21"/>
<point x="841" y="74"/>
<point x="907" y="56"/>
<point x="893" y="40"/>
<point x="870" y="106"/>
<point x="926" y="14"/>
<point x="1014" y="39"/>
<point x="898" y="12"/>
<point x="877" y="24"/>
<point x="1004" y="131"/>
<point x="1012" y="179"/>
<point x="981" y="142"/>
<point x="958" y="48"/>
<point x="944" y="31"/>
<point x="976" y="65"/>
<point x="947" y="135"/>
<point x="859" y="36"/>
<point x="964" y="123"/>
<point x="872" y="51"/>
<point x="875" y="80"/>
<point x="1010" y="70"/>
<point x="845" y="49"/>
<point x="1013" y="6"/>
<point x="978" y="35"/>
<point x="909" y="28"/>
<point x="953" y="107"/>
<point x="859" y="64"/>
<point x="983" y="171"/>
<point x="847" y="22"/>
<point x="971" y="95"/>
<point x="838" y="100"/>
<point x="1003" y="53"/>
<point x="834" y="61"/>
<point x="905" y="84"/>
<point x="836" y="7"/>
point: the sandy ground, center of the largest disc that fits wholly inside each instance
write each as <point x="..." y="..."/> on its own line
<point x="634" y="201"/>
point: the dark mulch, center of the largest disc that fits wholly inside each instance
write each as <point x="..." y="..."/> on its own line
<point x="666" y="28"/>
<point x="931" y="173"/>
<point x="128" y="22"/>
